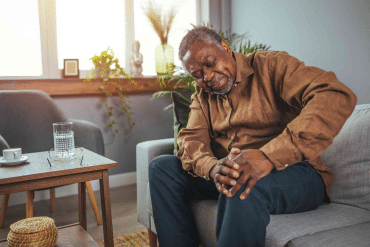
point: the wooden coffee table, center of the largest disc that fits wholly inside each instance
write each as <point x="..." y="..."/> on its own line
<point x="37" y="173"/>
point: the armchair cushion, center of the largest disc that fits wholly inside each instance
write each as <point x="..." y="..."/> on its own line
<point x="26" y="119"/>
<point x="88" y="135"/>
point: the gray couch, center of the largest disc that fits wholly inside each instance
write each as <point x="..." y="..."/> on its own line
<point x="344" y="222"/>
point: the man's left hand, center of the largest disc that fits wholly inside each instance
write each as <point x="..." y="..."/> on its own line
<point x="253" y="165"/>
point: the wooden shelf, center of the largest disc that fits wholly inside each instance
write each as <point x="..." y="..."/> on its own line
<point x="80" y="87"/>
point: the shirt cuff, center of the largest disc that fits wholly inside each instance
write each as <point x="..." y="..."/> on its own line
<point x="282" y="152"/>
<point x="205" y="165"/>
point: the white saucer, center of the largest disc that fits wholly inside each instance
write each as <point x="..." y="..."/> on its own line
<point x="13" y="163"/>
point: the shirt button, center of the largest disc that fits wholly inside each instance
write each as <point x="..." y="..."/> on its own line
<point x="232" y="138"/>
<point x="286" y="165"/>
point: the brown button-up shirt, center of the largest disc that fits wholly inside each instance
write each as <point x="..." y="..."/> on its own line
<point x="288" y="110"/>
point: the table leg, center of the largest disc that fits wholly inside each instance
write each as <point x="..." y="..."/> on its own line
<point x="52" y="201"/>
<point x="106" y="209"/>
<point x="29" y="203"/>
<point x="82" y="204"/>
<point x="4" y="207"/>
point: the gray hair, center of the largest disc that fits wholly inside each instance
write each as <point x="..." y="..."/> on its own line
<point x="193" y="35"/>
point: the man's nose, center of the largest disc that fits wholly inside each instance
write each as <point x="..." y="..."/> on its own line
<point x="207" y="75"/>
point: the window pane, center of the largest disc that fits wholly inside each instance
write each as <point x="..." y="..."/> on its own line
<point x="20" y="47"/>
<point x="147" y="37"/>
<point x="87" y="27"/>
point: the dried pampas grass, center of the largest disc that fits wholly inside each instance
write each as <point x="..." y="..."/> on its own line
<point x="161" y="23"/>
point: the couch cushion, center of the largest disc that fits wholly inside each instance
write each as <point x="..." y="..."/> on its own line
<point x="283" y="228"/>
<point x="349" y="158"/>
<point x="354" y="235"/>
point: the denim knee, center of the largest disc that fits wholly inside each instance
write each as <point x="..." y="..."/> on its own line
<point x="162" y="163"/>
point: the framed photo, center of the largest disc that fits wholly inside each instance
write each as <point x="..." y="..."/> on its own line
<point x="71" y="69"/>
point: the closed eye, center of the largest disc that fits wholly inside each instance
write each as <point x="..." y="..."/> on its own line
<point x="211" y="61"/>
<point x="197" y="74"/>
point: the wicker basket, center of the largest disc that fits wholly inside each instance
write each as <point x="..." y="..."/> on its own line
<point x="35" y="232"/>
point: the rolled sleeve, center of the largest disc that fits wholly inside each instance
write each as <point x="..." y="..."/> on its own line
<point x="324" y="103"/>
<point x="195" y="144"/>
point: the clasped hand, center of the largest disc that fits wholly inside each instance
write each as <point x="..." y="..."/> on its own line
<point x="240" y="167"/>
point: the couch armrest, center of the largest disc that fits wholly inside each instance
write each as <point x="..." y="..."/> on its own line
<point x="145" y="152"/>
<point x="88" y="135"/>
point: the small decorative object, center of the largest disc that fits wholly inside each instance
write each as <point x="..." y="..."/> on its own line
<point x="35" y="231"/>
<point x="164" y="54"/>
<point x="71" y="69"/>
<point x="136" y="61"/>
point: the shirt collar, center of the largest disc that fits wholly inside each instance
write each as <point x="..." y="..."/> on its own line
<point x="243" y="67"/>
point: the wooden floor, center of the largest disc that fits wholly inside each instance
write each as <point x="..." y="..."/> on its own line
<point x="123" y="200"/>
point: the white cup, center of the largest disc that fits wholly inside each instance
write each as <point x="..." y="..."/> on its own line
<point x="12" y="154"/>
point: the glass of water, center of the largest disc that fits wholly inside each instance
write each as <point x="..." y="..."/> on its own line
<point x="64" y="142"/>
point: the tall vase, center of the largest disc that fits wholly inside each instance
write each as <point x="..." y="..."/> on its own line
<point x="164" y="59"/>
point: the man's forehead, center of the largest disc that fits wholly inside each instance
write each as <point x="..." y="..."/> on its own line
<point x="199" y="45"/>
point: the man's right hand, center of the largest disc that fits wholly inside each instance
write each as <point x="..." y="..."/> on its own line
<point x="224" y="173"/>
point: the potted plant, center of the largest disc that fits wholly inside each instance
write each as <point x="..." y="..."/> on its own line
<point x="108" y="71"/>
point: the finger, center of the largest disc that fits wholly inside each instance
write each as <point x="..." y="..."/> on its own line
<point x="234" y="189"/>
<point x="235" y="151"/>
<point x="221" y="188"/>
<point x="248" y="188"/>
<point x="230" y="163"/>
<point x="244" y="177"/>
<point x="229" y="172"/>
<point x="225" y="180"/>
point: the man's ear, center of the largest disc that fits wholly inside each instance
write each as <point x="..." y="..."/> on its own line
<point x="226" y="47"/>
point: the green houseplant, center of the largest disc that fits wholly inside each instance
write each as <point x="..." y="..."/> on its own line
<point x="108" y="71"/>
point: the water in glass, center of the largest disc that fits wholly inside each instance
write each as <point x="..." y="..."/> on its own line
<point x="64" y="143"/>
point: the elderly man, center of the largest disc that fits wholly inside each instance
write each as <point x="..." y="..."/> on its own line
<point x="257" y="126"/>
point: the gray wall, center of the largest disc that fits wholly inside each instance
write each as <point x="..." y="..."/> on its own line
<point x="333" y="34"/>
<point x="150" y="119"/>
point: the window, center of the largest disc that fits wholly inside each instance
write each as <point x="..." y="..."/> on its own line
<point x="20" y="48"/>
<point x="86" y="28"/>
<point x="37" y="35"/>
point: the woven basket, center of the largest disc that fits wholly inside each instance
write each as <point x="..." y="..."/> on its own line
<point x="35" y="232"/>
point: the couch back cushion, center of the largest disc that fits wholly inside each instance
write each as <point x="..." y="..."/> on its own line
<point x="349" y="158"/>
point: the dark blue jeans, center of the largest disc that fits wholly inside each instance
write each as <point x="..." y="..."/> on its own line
<point x="297" y="188"/>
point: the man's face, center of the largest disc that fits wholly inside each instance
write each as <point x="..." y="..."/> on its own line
<point x="212" y="67"/>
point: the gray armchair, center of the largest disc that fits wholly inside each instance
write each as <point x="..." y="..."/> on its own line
<point x="26" y="118"/>
<point x="344" y="222"/>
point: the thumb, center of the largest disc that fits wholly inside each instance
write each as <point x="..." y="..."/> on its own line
<point x="235" y="151"/>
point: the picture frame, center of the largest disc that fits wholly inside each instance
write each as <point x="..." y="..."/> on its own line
<point x="71" y="68"/>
